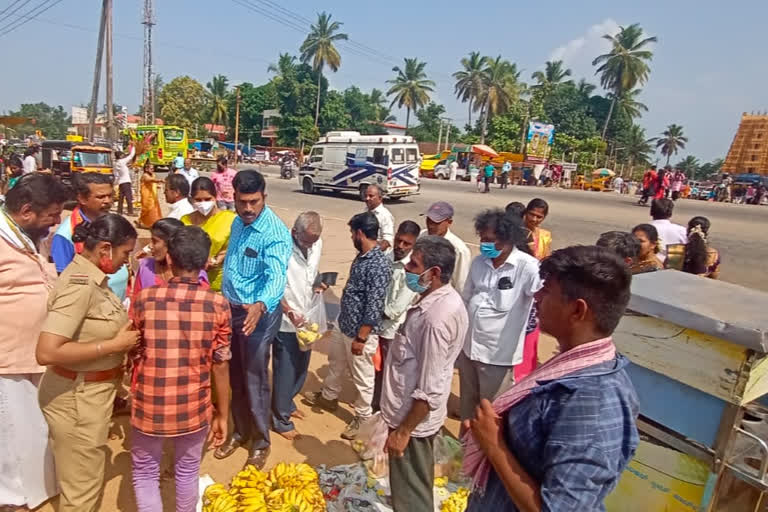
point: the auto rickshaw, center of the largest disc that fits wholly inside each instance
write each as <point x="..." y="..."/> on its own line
<point x="65" y="158"/>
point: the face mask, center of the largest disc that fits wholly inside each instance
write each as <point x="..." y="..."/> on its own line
<point x="106" y="264"/>
<point x="413" y="282"/>
<point x="489" y="250"/>
<point x="204" y="207"/>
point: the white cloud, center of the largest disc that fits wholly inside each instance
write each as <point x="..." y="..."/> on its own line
<point x="579" y="53"/>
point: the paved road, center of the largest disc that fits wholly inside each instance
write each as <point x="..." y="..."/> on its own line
<point x="576" y="217"/>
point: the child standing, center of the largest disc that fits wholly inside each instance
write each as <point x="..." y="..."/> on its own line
<point x="185" y="332"/>
<point x="222" y="178"/>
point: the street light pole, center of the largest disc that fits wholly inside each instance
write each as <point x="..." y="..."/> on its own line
<point x="237" y="119"/>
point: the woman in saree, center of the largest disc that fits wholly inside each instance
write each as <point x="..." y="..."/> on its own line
<point x="216" y="223"/>
<point x="150" y="206"/>
<point x="697" y="256"/>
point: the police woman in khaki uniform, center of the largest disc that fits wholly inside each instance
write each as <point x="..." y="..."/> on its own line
<point x="83" y="342"/>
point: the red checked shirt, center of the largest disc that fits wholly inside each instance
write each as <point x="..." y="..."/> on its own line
<point x="185" y="329"/>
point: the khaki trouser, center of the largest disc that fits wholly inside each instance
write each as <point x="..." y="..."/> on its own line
<point x="341" y="359"/>
<point x="78" y="415"/>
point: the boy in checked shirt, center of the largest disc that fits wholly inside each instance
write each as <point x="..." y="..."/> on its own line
<point x="185" y="333"/>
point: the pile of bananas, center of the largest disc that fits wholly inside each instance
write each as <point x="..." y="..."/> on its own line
<point x="456" y="502"/>
<point x="308" y="334"/>
<point x="286" y="488"/>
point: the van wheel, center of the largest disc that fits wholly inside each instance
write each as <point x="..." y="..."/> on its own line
<point x="363" y="192"/>
<point x="308" y="186"/>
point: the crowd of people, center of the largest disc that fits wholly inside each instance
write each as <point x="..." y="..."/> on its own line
<point x="221" y="290"/>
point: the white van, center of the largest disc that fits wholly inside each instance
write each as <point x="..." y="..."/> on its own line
<point x="350" y="161"/>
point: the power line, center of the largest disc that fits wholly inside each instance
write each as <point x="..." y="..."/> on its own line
<point x="29" y="16"/>
<point x="12" y="4"/>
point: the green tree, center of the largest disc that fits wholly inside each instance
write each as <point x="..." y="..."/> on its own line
<point x="689" y="165"/>
<point x="469" y="81"/>
<point x="428" y="128"/>
<point x="51" y="121"/>
<point x="500" y="89"/>
<point x="585" y="89"/>
<point x="295" y="100"/>
<point x="286" y="65"/>
<point x="708" y="169"/>
<point x="553" y="75"/>
<point x="410" y="87"/>
<point x="626" y="65"/>
<point x="627" y="103"/>
<point x="319" y="48"/>
<point x="379" y="101"/>
<point x="671" y="141"/>
<point x="566" y="109"/>
<point x="217" y="91"/>
<point x="183" y="101"/>
<point x="334" y="114"/>
<point x="254" y="100"/>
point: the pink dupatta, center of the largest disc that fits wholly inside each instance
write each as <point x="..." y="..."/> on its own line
<point x="579" y="358"/>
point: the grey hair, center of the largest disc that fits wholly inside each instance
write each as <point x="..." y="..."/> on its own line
<point x="307" y="220"/>
<point x="377" y="187"/>
<point x="436" y="251"/>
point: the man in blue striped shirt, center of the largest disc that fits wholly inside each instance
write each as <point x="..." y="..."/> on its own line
<point x="254" y="278"/>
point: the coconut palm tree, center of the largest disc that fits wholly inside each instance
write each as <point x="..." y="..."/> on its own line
<point x="217" y="95"/>
<point x="585" y="89"/>
<point x="627" y="104"/>
<point x="671" y="141"/>
<point x="469" y="81"/>
<point x="689" y="165"/>
<point x="500" y="89"/>
<point x="551" y="77"/>
<point x="319" y="48"/>
<point x="637" y="148"/>
<point x="626" y="65"/>
<point x="286" y="63"/>
<point x="379" y="102"/>
<point x="410" y="87"/>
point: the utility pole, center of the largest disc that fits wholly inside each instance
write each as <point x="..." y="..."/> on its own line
<point x="448" y="134"/>
<point x="110" y="98"/>
<point x="97" y="74"/>
<point x="237" y="119"/>
<point x="440" y="136"/>
<point x="148" y="98"/>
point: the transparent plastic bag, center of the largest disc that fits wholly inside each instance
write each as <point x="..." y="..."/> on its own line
<point x="315" y="324"/>
<point x="448" y="457"/>
<point x="370" y="443"/>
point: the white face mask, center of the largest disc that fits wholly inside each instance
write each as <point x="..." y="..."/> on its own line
<point x="204" y="207"/>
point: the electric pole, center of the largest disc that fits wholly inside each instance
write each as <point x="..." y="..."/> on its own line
<point x="237" y="119"/>
<point x="440" y="137"/>
<point x="97" y="74"/>
<point x="148" y="98"/>
<point x="110" y="98"/>
<point x="447" y="133"/>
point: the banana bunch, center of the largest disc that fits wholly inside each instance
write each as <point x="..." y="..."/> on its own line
<point x="217" y="499"/>
<point x="308" y="335"/>
<point x="456" y="502"/>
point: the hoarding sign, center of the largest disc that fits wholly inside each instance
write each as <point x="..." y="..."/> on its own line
<point x="539" y="141"/>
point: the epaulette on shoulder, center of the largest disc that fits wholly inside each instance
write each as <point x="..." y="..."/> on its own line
<point x="79" y="279"/>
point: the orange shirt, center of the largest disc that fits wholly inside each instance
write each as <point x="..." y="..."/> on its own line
<point x="24" y="282"/>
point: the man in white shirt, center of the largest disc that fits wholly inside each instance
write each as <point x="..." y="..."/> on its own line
<point x="454" y="167"/>
<point x="177" y="196"/>
<point x="669" y="233"/>
<point x="499" y="295"/>
<point x="123" y="178"/>
<point x="374" y="200"/>
<point x="30" y="162"/>
<point x="439" y="219"/>
<point x="289" y="362"/>
<point x="399" y="299"/>
<point x="189" y="172"/>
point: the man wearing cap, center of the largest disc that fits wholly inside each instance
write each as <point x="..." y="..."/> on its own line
<point x="439" y="219"/>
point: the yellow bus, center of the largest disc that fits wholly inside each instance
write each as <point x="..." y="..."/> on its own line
<point x="166" y="143"/>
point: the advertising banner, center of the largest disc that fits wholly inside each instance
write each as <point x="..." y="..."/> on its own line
<point x="539" y="141"/>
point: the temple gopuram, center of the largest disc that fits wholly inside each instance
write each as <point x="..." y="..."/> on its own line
<point x="749" y="149"/>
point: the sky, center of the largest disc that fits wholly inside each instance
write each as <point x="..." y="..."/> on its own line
<point x="709" y="65"/>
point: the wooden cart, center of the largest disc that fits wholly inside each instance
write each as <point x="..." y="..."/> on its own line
<point x="698" y="352"/>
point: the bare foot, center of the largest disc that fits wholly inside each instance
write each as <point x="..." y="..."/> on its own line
<point x="298" y="414"/>
<point x="291" y="435"/>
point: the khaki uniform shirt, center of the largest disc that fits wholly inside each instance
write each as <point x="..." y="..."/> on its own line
<point x="81" y="307"/>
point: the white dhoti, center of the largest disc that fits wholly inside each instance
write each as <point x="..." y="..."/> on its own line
<point x="27" y="476"/>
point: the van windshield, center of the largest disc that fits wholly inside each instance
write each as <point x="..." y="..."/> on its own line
<point x="317" y="155"/>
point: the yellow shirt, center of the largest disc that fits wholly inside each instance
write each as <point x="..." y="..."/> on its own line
<point x="81" y="307"/>
<point x="218" y="227"/>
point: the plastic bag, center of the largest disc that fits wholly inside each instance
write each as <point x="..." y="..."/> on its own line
<point x="370" y="443"/>
<point x="448" y="457"/>
<point x="315" y="324"/>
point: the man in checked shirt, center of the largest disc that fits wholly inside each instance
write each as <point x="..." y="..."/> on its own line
<point x="185" y="332"/>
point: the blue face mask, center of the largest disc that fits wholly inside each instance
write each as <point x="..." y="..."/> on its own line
<point x="413" y="282"/>
<point x="489" y="250"/>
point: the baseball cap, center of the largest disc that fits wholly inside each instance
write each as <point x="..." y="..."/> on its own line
<point x="439" y="211"/>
